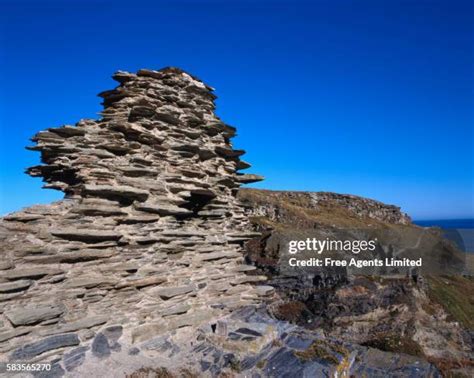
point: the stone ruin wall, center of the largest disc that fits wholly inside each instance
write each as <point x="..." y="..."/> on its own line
<point x="150" y="233"/>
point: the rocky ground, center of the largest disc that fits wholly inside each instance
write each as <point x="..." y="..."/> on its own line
<point x="426" y="316"/>
<point x="156" y="265"/>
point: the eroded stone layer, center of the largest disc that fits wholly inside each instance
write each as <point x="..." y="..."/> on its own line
<point x="150" y="233"/>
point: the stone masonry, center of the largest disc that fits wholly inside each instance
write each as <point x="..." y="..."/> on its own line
<point x="149" y="236"/>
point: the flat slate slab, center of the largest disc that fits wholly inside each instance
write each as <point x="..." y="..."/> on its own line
<point x="128" y="192"/>
<point x="170" y="292"/>
<point x="34" y="349"/>
<point x="84" y="323"/>
<point x="86" y="235"/>
<point x="72" y="257"/>
<point x="163" y="209"/>
<point x="74" y="358"/>
<point x="15" y="286"/>
<point x="32" y="314"/>
<point x="33" y="273"/>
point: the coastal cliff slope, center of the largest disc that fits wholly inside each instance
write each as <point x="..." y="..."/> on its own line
<point x="429" y="316"/>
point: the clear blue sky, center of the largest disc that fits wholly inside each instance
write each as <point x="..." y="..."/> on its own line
<point x="373" y="98"/>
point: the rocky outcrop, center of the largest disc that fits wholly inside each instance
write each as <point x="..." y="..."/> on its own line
<point x="363" y="207"/>
<point x="150" y="233"/>
<point x="323" y="207"/>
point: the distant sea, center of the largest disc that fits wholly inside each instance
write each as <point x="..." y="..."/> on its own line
<point x="461" y="231"/>
<point x="446" y="223"/>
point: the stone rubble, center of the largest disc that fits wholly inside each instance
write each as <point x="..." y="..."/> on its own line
<point x="246" y="343"/>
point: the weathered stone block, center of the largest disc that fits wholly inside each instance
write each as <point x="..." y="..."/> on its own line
<point x="100" y="346"/>
<point x="170" y="292"/>
<point x="175" y="310"/>
<point x="78" y="325"/>
<point x="31" y="314"/>
<point x="19" y="285"/>
<point x="33" y="273"/>
<point x="86" y="235"/>
<point x="109" y="191"/>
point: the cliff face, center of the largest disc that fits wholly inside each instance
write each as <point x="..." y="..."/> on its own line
<point x="150" y="233"/>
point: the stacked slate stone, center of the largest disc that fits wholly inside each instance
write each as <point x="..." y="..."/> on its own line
<point x="149" y="236"/>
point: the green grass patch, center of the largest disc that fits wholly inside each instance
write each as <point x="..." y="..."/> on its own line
<point x="455" y="295"/>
